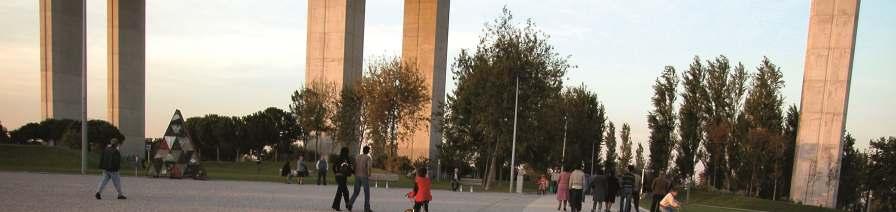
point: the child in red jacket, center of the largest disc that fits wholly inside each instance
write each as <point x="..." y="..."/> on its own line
<point x="422" y="192"/>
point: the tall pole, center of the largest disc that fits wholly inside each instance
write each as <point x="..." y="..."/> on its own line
<point x="563" y="156"/>
<point x="592" y="150"/>
<point x="83" y="86"/>
<point x="516" y="101"/>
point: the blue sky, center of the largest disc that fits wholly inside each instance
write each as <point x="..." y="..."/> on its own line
<point x="237" y="57"/>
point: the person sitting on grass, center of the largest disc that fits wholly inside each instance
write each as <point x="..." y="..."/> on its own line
<point x="669" y="204"/>
<point x="422" y="193"/>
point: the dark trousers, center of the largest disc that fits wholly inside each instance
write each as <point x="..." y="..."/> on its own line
<point x="341" y="190"/>
<point x="654" y="206"/>
<point x="636" y="198"/>
<point x="322" y="177"/>
<point x="424" y="204"/>
<point x="575" y="199"/>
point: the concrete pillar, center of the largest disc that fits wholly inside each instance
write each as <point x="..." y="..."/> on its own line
<point x="127" y="72"/>
<point x="425" y="45"/>
<point x="335" y="48"/>
<point x="828" y="67"/>
<point x="61" y="34"/>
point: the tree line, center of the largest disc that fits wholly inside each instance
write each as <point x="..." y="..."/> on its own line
<point x="733" y="122"/>
<point x="63" y="132"/>
<point x="728" y="119"/>
<point x="478" y="118"/>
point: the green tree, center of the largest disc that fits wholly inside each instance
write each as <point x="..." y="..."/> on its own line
<point x="347" y="120"/>
<point x="625" y="157"/>
<point x="585" y="118"/>
<point x="881" y="180"/>
<point x="733" y="131"/>
<point x="4" y="134"/>
<point x="99" y="134"/>
<point x="639" y="158"/>
<point x="394" y="94"/>
<point x="481" y="108"/>
<point x="764" y="115"/>
<point x="25" y="133"/>
<point x="610" y="161"/>
<point x="853" y="173"/>
<point x="691" y="117"/>
<point x="313" y="107"/>
<point x="791" y="125"/>
<point x="661" y="120"/>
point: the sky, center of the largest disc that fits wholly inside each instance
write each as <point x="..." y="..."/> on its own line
<point x="238" y="57"/>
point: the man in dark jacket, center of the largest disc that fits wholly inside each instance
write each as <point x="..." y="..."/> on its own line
<point x="110" y="162"/>
<point x="660" y="187"/>
<point x="343" y="168"/>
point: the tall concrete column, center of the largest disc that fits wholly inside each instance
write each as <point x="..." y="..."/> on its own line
<point x="425" y="45"/>
<point x="335" y="50"/>
<point x="127" y="72"/>
<point x="828" y="67"/>
<point x="61" y="34"/>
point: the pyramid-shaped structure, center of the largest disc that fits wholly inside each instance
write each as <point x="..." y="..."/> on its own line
<point x="176" y="145"/>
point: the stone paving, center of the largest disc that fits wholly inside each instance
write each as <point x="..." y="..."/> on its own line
<point x="21" y="191"/>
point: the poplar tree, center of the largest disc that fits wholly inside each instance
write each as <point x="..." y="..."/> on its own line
<point x="661" y="120"/>
<point x="690" y="129"/>
<point x="625" y="157"/>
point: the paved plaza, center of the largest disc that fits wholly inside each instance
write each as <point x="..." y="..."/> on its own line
<point x="21" y="191"/>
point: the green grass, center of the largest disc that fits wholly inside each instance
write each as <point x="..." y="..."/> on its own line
<point x="34" y="158"/>
<point x="712" y="201"/>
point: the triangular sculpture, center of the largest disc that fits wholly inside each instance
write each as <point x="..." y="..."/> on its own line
<point x="175" y="150"/>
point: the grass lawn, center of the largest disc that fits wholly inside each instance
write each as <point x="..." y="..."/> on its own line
<point x="711" y="201"/>
<point x="34" y="158"/>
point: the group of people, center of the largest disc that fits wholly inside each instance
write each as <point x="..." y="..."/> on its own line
<point x="605" y="187"/>
<point x="301" y="171"/>
<point x="344" y="167"/>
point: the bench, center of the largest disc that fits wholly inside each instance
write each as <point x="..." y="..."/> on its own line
<point x="470" y="182"/>
<point x="386" y="178"/>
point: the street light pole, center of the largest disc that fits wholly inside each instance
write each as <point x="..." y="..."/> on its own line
<point x="563" y="156"/>
<point x="83" y="87"/>
<point x="516" y="101"/>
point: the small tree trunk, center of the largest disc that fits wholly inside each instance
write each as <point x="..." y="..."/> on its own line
<point x="490" y="177"/>
<point x="775" y="191"/>
<point x="218" y="152"/>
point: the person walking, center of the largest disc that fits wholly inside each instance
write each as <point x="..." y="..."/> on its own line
<point x="555" y="176"/>
<point x="363" y="164"/>
<point x="422" y="192"/>
<point x="455" y="180"/>
<point x="562" y="189"/>
<point x="669" y="204"/>
<point x="286" y="171"/>
<point x="627" y="186"/>
<point x="301" y="169"/>
<point x="612" y="189"/>
<point x="659" y="186"/>
<point x="636" y="192"/>
<point x="322" y="170"/>
<point x="576" y="183"/>
<point x="110" y="163"/>
<point x="598" y="187"/>
<point x="342" y="168"/>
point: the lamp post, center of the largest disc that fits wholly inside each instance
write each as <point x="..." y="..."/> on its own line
<point x="83" y="87"/>
<point x="516" y="101"/>
<point x="563" y="155"/>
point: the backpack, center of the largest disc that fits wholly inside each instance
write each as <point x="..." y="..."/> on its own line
<point x="346" y="168"/>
